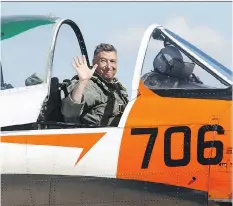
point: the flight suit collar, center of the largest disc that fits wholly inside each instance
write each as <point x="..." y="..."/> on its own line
<point x="111" y="85"/>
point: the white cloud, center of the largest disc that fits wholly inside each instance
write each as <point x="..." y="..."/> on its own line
<point x="205" y="38"/>
<point x="202" y="36"/>
<point x="128" y="40"/>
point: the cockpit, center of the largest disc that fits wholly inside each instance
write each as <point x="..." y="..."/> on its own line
<point x="171" y="71"/>
<point x="167" y="65"/>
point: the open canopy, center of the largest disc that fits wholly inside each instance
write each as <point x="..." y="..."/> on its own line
<point x="31" y="34"/>
<point x="226" y="72"/>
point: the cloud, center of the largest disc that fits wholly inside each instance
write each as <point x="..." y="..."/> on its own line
<point x="202" y="36"/>
<point x="205" y="38"/>
<point x="128" y="40"/>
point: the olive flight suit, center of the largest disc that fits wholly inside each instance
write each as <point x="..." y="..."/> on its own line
<point x="102" y="103"/>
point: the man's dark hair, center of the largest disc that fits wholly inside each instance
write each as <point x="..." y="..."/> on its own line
<point x="104" y="47"/>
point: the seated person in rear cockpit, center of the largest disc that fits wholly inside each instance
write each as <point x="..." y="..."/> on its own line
<point x="170" y="70"/>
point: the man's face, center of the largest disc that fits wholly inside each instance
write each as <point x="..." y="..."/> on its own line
<point x="107" y="64"/>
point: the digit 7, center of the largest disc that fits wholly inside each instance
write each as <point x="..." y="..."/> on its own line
<point x="150" y="145"/>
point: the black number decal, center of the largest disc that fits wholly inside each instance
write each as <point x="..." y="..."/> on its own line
<point x="167" y="146"/>
<point x="202" y="145"/>
<point x="153" y="134"/>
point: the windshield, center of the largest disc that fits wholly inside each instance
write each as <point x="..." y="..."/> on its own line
<point x="167" y="67"/>
<point x="25" y="44"/>
<point x="219" y="67"/>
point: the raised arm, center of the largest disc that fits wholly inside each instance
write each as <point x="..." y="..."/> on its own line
<point x="85" y="74"/>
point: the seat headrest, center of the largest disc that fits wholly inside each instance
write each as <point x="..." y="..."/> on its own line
<point x="169" y="61"/>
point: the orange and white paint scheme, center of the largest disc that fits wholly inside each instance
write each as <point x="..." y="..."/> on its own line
<point x="173" y="144"/>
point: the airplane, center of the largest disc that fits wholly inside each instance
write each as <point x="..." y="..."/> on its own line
<point x="173" y="144"/>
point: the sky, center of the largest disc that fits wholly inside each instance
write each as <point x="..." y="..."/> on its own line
<point x="208" y="25"/>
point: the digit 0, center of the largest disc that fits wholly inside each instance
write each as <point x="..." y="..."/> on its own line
<point x="167" y="146"/>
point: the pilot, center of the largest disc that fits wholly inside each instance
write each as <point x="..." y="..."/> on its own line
<point x="169" y="69"/>
<point x="96" y="97"/>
